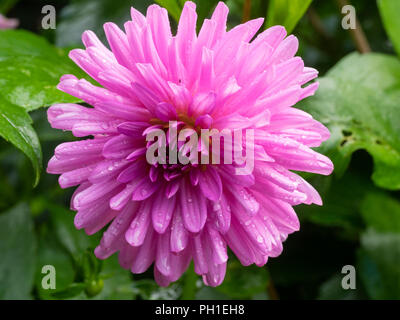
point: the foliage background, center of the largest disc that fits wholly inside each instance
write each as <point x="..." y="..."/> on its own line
<point x="359" y="100"/>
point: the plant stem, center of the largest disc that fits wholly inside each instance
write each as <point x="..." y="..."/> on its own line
<point x="317" y="23"/>
<point x="271" y="290"/>
<point x="246" y="10"/>
<point x="323" y="40"/>
<point x="357" y="34"/>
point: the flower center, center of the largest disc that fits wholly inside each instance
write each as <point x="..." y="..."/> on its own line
<point x="177" y="147"/>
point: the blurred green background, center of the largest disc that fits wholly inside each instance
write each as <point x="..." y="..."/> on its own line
<point x="359" y="100"/>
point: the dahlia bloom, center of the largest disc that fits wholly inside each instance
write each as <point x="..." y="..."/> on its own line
<point x="172" y="214"/>
<point x="6" y="23"/>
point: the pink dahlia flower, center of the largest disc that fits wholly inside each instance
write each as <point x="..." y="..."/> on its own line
<point x="170" y="214"/>
<point x="8" y="23"/>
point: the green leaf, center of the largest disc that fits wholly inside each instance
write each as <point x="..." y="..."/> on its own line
<point x="381" y="212"/>
<point x="15" y="127"/>
<point x="243" y="282"/>
<point x="75" y="241"/>
<point x="51" y="252"/>
<point x="30" y="69"/>
<point x="390" y="10"/>
<point x="83" y="15"/>
<point x="17" y="253"/>
<point x="72" y="291"/>
<point x="204" y="9"/>
<point x="189" y="288"/>
<point x="286" y="12"/>
<point x="24" y="43"/>
<point x="358" y="100"/>
<point x="30" y="82"/>
<point x="332" y="290"/>
<point x="378" y="264"/>
<point x="173" y="6"/>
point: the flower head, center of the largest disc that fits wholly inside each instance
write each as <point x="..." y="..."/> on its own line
<point x="6" y="23"/>
<point x="171" y="213"/>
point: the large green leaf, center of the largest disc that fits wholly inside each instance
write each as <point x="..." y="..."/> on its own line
<point x="359" y="101"/>
<point x="30" y="69"/>
<point x="83" y="15"/>
<point x="381" y="212"/>
<point x="390" y="11"/>
<point x="52" y="253"/>
<point x="17" y="253"/>
<point x="23" y="43"/>
<point x="15" y="127"/>
<point x="286" y="12"/>
<point x="378" y="264"/>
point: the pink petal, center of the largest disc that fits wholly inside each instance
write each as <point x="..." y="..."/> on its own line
<point x="193" y="207"/>
<point x="210" y="184"/>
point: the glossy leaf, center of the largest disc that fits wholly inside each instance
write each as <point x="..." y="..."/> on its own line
<point x="286" y="12"/>
<point x="358" y="100"/>
<point x="15" y="127"/>
<point x="30" y="69"/>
